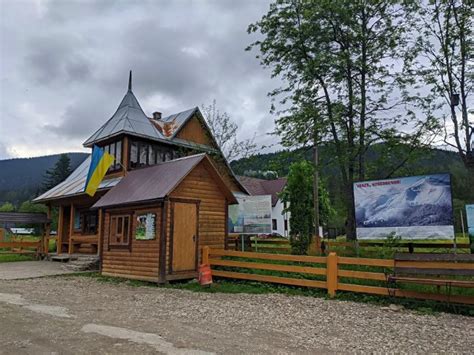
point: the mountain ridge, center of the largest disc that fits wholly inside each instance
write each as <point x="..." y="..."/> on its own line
<point x="21" y="178"/>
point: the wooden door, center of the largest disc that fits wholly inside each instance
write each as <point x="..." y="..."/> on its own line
<point x="185" y="236"/>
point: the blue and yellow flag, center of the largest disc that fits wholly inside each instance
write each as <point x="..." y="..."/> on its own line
<point x="100" y="163"/>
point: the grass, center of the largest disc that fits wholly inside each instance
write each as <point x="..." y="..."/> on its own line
<point x="7" y="258"/>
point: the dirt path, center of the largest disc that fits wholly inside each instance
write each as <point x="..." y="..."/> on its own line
<point x="31" y="269"/>
<point x="81" y="315"/>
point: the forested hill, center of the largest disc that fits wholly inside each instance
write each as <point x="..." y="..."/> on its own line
<point x="20" y="179"/>
<point x="425" y="161"/>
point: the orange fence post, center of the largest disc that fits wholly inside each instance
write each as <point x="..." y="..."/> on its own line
<point x="331" y="273"/>
<point x="205" y="255"/>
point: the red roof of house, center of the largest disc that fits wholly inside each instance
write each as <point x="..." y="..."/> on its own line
<point x="263" y="187"/>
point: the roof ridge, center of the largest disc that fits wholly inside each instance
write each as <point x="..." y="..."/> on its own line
<point x="182" y="158"/>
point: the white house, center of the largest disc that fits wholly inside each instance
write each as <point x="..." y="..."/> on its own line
<point x="280" y="219"/>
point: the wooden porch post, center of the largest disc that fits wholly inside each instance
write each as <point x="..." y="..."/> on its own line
<point x="71" y="228"/>
<point x="101" y="233"/>
<point x="164" y="227"/>
<point x="47" y="232"/>
<point x="59" y="239"/>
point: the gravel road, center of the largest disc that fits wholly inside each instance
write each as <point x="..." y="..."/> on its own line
<point x="81" y="315"/>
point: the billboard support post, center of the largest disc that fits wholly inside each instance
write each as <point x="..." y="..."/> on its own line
<point x="462" y="224"/>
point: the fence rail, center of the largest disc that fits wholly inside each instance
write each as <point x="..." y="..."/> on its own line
<point x="332" y="270"/>
<point x="283" y="245"/>
<point x="20" y="247"/>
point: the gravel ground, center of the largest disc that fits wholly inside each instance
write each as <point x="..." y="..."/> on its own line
<point x="82" y="315"/>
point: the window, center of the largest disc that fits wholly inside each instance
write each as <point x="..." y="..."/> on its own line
<point x="85" y="221"/>
<point x="118" y="155"/>
<point x="115" y="149"/>
<point x="168" y="156"/>
<point x="77" y="220"/>
<point x="274" y="224"/>
<point x="144" y="154"/>
<point x="119" y="232"/>
<point x="90" y="223"/>
<point x="286" y="224"/>
<point x="134" y="155"/>
<point x="151" y="155"/>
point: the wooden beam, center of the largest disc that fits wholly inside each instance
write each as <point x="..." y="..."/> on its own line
<point x="71" y="228"/>
<point x="267" y="278"/>
<point x="60" y="230"/>
<point x="226" y="226"/>
<point x="126" y="153"/>
<point x="101" y="233"/>
<point x="162" y="259"/>
<point x="263" y="266"/>
<point x="282" y="257"/>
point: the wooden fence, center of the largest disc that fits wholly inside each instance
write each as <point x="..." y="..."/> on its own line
<point x="281" y="245"/>
<point x="411" y="247"/>
<point x="330" y="272"/>
<point x="21" y="247"/>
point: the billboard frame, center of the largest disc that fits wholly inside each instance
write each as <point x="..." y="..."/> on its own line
<point x="402" y="177"/>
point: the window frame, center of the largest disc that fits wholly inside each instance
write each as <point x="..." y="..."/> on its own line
<point x="113" y="234"/>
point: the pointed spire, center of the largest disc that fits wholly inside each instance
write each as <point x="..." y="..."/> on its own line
<point x="130" y="81"/>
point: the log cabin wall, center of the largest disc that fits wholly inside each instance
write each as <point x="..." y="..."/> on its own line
<point x="139" y="260"/>
<point x="200" y="186"/>
<point x="193" y="131"/>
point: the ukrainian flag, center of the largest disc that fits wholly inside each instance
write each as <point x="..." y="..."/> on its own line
<point x="100" y="163"/>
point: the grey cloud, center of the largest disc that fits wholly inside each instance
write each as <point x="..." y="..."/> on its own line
<point x="78" y="53"/>
<point x="57" y="58"/>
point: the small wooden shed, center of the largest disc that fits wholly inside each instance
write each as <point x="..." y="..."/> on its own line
<point x="157" y="219"/>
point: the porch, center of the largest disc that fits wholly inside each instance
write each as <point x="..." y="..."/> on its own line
<point x="79" y="230"/>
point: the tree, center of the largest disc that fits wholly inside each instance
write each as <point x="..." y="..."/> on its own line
<point x="7" y="207"/>
<point x="341" y="62"/>
<point x="56" y="175"/>
<point x="224" y="131"/>
<point x="298" y="195"/>
<point x="446" y="67"/>
<point x="29" y="206"/>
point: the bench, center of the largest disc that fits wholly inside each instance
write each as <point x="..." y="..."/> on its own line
<point x="93" y="240"/>
<point x="432" y="269"/>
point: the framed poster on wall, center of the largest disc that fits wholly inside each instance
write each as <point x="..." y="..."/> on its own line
<point x="146" y="226"/>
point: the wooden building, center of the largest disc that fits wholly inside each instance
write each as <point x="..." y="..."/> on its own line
<point x="142" y="147"/>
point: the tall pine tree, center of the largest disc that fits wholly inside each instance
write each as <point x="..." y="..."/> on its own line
<point x="56" y="175"/>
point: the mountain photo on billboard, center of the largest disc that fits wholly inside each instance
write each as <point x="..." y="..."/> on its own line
<point x="413" y="201"/>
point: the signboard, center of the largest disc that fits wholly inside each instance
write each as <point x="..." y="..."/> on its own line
<point x="416" y="207"/>
<point x="253" y="215"/>
<point x="470" y="220"/>
<point x="145" y="228"/>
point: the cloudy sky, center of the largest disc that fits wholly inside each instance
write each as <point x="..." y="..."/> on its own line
<point x="64" y="66"/>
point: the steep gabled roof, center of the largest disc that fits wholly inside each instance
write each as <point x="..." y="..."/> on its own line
<point x="264" y="187"/>
<point x="129" y="118"/>
<point x="156" y="182"/>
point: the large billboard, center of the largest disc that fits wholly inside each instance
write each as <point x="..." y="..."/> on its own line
<point x="253" y="215"/>
<point x="470" y="221"/>
<point x="416" y="207"/>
